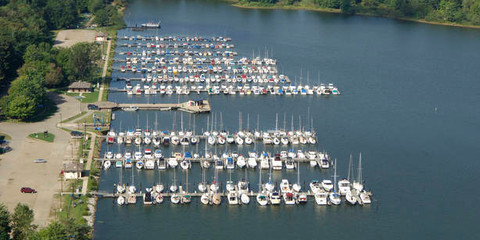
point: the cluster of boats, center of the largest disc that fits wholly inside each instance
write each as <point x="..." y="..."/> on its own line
<point x="176" y="38"/>
<point x="185" y="138"/>
<point x="197" y="65"/>
<point x="324" y="192"/>
<point x="151" y="159"/>
<point x="184" y="45"/>
<point x="224" y="89"/>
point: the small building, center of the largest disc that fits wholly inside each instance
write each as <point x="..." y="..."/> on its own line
<point x="72" y="170"/>
<point x="80" y="87"/>
<point x="101" y="37"/>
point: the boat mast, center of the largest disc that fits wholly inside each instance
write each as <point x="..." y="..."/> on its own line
<point x="276" y="122"/>
<point x="285" y="121"/>
<point x="248" y="121"/>
<point x="335" y="176"/>
<point x="360" y="169"/>
<point x="349" y="168"/>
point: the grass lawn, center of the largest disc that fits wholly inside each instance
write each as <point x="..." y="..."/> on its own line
<point x="4" y="136"/>
<point x="86" y="97"/>
<point x="89" y="119"/>
<point x="45" y="137"/>
<point x="74" y="117"/>
<point x="74" y="206"/>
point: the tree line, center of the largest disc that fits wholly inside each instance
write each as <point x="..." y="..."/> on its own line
<point x="445" y="11"/>
<point x="19" y="226"/>
<point x="28" y="62"/>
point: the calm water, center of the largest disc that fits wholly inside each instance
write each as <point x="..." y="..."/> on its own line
<point x="421" y="164"/>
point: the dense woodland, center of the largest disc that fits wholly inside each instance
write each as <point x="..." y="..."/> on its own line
<point x="28" y="63"/>
<point x="444" y="11"/>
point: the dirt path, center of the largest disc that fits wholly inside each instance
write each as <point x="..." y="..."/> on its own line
<point x="104" y="72"/>
<point x="18" y="170"/>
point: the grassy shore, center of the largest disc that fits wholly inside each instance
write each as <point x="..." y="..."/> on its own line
<point x="311" y="7"/>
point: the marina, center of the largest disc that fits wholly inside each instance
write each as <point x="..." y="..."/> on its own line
<point x="393" y="77"/>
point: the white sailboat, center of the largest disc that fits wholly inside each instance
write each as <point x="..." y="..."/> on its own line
<point x="334" y="197"/>
<point x="358" y="185"/>
<point x="344" y="184"/>
<point x="174" y="187"/>
<point x="297" y="187"/>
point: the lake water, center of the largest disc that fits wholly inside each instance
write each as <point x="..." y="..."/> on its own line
<point x="421" y="164"/>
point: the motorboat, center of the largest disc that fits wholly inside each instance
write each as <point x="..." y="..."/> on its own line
<point x="302" y="198"/>
<point x="285" y="186"/>
<point x="241" y="161"/>
<point x="365" y="197"/>
<point x="232" y="198"/>
<point x="229" y="163"/>
<point x="252" y="162"/>
<point x="275" y="198"/>
<point x="289" y="164"/>
<point x="262" y="199"/>
<point x="343" y="186"/>
<point x="277" y="163"/>
<point x="327" y="185"/>
<point x="321" y="198"/>
<point x="288" y="198"/>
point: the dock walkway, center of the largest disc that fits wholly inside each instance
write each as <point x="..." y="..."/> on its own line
<point x="189" y="106"/>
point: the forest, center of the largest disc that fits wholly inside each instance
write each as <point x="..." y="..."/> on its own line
<point x="29" y="64"/>
<point x="465" y="12"/>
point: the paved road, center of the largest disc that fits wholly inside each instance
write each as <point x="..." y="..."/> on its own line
<point x="17" y="168"/>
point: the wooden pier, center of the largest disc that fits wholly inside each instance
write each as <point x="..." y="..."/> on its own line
<point x="201" y="106"/>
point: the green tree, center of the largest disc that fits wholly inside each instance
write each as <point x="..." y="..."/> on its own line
<point x="78" y="230"/>
<point x="82" y="61"/>
<point x="4" y="223"/>
<point x="54" y="231"/>
<point x="346" y="6"/>
<point x="22" y="219"/>
<point x="54" y="75"/>
<point x="61" y="14"/>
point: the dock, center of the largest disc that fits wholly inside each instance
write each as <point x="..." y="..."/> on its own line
<point x="201" y="106"/>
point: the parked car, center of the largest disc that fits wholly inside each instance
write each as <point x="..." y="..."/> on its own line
<point x="92" y="107"/>
<point x="40" y="160"/>
<point x="27" y="190"/>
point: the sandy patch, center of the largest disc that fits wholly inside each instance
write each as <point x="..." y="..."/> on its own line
<point x="67" y="38"/>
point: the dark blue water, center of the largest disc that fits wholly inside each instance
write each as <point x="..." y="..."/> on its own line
<point x="421" y="164"/>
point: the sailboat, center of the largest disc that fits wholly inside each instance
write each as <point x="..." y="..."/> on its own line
<point x="358" y="185"/>
<point x="296" y="186"/>
<point x="344" y="184"/>
<point x="334" y="197"/>
<point x="202" y="186"/>
<point x="132" y="198"/>
<point x="262" y="198"/>
<point x="174" y="187"/>
<point x="121" y="187"/>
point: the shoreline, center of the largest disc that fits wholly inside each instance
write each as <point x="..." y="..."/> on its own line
<point x="338" y="11"/>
